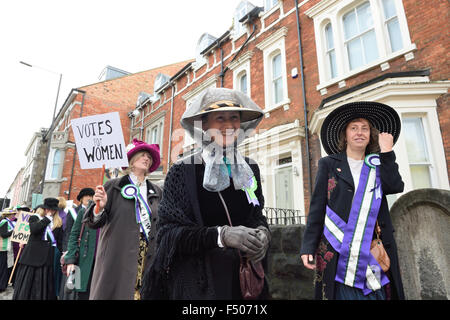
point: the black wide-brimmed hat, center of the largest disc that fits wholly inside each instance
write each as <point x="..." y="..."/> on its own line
<point x="383" y="117"/>
<point x="85" y="192"/>
<point x="51" y="203"/>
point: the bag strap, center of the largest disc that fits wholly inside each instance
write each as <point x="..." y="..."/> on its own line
<point x="81" y="233"/>
<point x="226" y="208"/>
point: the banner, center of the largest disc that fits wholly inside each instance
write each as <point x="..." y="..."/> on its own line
<point x="99" y="141"/>
<point x="21" y="232"/>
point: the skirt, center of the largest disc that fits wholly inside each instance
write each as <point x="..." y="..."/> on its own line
<point x="344" y="292"/>
<point x="34" y="283"/>
<point x="5" y="272"/>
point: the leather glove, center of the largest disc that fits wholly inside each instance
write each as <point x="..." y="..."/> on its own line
<point x="242" y="238"/>
<point x="263" y="235"/>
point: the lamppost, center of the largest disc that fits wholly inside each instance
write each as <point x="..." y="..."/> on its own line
<point x="53" y="119"/>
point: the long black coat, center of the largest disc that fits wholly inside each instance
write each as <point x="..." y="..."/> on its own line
<point x="185" y="265"/>
<point x="38" y="252"/>
<point x="334" y="187"/>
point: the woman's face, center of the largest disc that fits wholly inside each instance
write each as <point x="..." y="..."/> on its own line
<point x="85" y="200"/>
<point x="223" y="126"/>
<point x="143" y="162"/>
<point x="357" y="134"/>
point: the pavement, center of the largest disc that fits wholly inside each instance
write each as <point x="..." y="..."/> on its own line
<point x="7" y="294"/>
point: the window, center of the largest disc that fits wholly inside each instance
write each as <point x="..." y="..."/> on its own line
<point x="352" y="36"/>
<point x="359" y="35"/>
<point x="55" y="165"/>
<point x="241" y="10"/>
<point x="277" y="80"/>
<point x="269" y="4"/>
<point x="243" y="82"/>
<point x="330" y="52"/>
<point x="392" y="25"/>
<point x="418" y="156"/>
<point x="154" y="133"/>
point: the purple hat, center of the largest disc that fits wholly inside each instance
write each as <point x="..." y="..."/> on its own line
<point x="153" y="149"/>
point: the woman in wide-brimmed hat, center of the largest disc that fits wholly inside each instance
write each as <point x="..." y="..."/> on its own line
<point x="128" y="209"/>
<point x="198" y="251"/>
<point x="36" y="268"/>
<point x="348" y="202"/>
<point x="7" y="224"/>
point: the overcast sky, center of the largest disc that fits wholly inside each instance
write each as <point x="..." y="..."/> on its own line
<point x="78" y="39"/>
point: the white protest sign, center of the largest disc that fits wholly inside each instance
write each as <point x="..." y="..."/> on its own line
<point x="21" y="232"/>
<point x="99" y="141"/>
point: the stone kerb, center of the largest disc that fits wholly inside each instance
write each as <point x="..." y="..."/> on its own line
<point x="421" y="219"/>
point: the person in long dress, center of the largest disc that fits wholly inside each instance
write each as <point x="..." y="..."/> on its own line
<point x="35" y="271"/>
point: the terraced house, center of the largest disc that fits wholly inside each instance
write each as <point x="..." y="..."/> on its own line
<point x="299" y="60"/>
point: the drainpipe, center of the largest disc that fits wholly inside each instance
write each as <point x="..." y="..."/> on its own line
<point x="171" y="125"/>
<point x="75" y="149"/>
<point x="308" y="162"/>
<point x="222" y="70"/>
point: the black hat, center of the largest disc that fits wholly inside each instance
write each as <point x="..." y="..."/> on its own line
<point x="51" y="203"/>
<point x="383" y="117"/>
<point x="85" y="192"/>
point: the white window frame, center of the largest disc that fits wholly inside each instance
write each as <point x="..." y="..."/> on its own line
<point x="270" y="4"/>
<point x="331" y="11"/>
<point x="237" y="74"/>
<point x="271" y="46"/>
<point x="424" y="116"/>
<point x="49" y="170"/>
<point x="157" y="123"/>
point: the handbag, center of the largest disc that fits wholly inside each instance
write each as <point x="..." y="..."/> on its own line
<point x="251" y="275"/>
<point x="378" y="252"/>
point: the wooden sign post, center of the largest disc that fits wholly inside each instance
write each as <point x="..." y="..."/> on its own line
<point x="21" y="234"/>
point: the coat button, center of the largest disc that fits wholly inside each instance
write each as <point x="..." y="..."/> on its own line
<point x="387" y="245"/>
<point x="154" y="219"/>
<point x="350" y="190"/>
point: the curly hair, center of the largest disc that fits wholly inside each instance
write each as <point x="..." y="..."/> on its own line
<point x="372" y="147"/>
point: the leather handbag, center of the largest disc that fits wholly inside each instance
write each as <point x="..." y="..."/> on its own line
<point x="378" y="252"/>
<point x="251" y="275"/>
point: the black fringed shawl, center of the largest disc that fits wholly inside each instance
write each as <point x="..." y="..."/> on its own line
<point x="181" y="269"/>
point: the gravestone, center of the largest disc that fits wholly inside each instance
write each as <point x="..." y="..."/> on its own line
<point x="421" y="219"/>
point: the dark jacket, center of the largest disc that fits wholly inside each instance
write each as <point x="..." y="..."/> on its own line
<point x="184" y="265"/>
<point x="82" y="255"/>
<point x="38" y="252"/>
<point x="116" y="263"/>
<point x="334" y="187"/>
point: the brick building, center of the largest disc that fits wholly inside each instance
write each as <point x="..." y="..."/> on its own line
<point x="118" y="92"/>
<point x="390" y="51"/>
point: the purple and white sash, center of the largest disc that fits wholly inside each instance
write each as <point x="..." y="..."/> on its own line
<point x="49" y="234"/>
<point x="356" y="266"/>
<point x="131" y="191"/>
<point x="73" y="213"/>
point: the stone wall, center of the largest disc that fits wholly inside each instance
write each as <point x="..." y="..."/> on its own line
<point x="421" y="220"/>
<point x="288" y="278"/>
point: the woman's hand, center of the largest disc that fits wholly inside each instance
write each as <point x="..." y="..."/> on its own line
<point x="100" y="195"/>
<point x="386" y="141"/>
<point x="70" y="269"/>
<point x="308" y="261"/>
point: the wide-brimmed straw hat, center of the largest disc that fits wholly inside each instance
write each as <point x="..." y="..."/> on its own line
<point x="221" y="99"/>
<point x="8" y="211"/>
<point x="153" y="149"/>
<point x="383" y="117"/>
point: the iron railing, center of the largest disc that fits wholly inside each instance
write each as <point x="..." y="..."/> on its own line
<point x="283" y="216"/>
